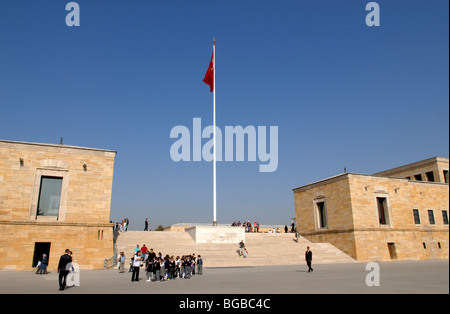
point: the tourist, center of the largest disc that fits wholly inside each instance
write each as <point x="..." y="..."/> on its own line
<point x="144" y="252"/>
<point x="166" y="267"/>
<point x="193" y="263"/>
<point x="200" y="265"/>
<point x="150" y="267"/>
<point x="38" y="266"/>
<point x="162" y="269"/>
<point x="285" y="229"/>
<point x="241" y="248"/>
<point x="131" y="265"/>
<point x="146" y="224"/>
<point x="151" y="254"/>
<point x="187" y="267"/>
<point x="122" y="262"/>
<point x="136" y="266"/>
<point x="43" y="266"/>
<point x="62" y="269"/>
<point x="172" y="267"/>
<point x="182" y="267"/>
<point x="308" y="258"/>
<point x="156" y="270"/>
<point x="178" y="267"/>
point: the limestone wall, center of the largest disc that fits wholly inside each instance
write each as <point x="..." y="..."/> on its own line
<point x="82" y="223"/>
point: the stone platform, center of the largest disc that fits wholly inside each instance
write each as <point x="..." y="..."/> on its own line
<point x="216" y="234"/>
<point x="263" y="248"/>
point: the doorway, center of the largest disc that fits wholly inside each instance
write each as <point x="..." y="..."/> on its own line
<point x="40" y="248"/>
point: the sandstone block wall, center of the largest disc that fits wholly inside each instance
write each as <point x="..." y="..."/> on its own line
<point x="82" y="223"/>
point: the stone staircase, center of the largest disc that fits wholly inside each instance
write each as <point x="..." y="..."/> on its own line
<point x="263" y="248"/>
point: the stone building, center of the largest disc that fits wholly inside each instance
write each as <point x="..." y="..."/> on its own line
<point x="398" y="214"/>
<point x="54" y="197"/>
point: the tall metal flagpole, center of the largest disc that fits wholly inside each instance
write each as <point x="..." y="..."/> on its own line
<point x="214" y="132"/>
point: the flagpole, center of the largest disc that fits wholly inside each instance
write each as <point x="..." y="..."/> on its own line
<point x="214" y="130"/>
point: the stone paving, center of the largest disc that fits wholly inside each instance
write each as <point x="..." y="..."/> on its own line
<point x="408" y="277"/>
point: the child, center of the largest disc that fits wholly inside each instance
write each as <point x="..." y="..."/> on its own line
<point x="200" y="265"/>
<point x="182" y="268"/>
<point x="177" y="267"/>
<point x="187" y="267"/>
<point x="156" y="270"/>
<point x="162" y="270"/>
<point x="150" y="266"/>
<point x="171" y="268"/>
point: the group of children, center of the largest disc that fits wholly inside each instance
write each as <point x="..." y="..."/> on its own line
<point x="170" y="268"/>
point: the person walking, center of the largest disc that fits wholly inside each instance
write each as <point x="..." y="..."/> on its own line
<point x="62" y="269"/>
<point x="136" y="266"/>
<point x="241" y="248"/>
<point x="200" y="265"/>
<point x="146" y="224"/>
<point x="122" y="262"/>
<point x="308" y="258"/>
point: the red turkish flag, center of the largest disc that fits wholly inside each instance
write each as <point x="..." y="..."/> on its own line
<point x="209" y="76"/>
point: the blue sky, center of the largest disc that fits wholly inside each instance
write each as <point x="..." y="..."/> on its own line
<point x="341" y="93"/>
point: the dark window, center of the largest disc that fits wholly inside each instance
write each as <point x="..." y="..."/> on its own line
<point x="439" y="245"/>
<point x="382" y="207"/>
<point x="446" y="176"/>
<point x="418" y="177"/>
<point x="392" y="251"/>
<point x="424" y="245"/>
<point x="49" y="196"/>
<point x="430" y="176"/>
<point x="431" y="216"/>
<point x="321" y="214"/>
<point x="445" y="217"/>
<point x="416" y="216"/>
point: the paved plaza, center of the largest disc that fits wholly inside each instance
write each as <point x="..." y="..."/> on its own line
<point x="395" y="277"/>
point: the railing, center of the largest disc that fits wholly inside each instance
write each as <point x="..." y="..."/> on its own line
<point x="112" y="261"/>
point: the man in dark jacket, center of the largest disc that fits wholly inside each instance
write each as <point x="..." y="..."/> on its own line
<point x="308" y="258"/>
<point x="62" y="269"/>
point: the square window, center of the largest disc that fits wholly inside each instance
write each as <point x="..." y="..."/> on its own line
<point x="430" y="176"/>
<point x="418" y="177"/>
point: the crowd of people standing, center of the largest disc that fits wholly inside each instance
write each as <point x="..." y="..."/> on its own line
<point x="159" y="268"/>
<point x="122" y="226"/>
<point x="247" y="225"/>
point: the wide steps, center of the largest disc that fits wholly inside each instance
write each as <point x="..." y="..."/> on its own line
<point x="264" y="248"/>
